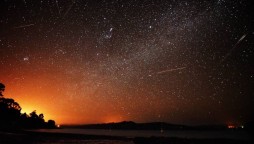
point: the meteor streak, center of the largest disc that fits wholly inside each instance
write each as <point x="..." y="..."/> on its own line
<point x="170" y="70"/>
<point x="23" y="26"/>
<point x="231" y="50"/>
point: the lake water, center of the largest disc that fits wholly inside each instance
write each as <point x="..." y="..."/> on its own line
<point x="229" y="134"/>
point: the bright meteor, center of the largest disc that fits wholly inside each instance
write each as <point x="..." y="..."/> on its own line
<point x="170" y="70"/>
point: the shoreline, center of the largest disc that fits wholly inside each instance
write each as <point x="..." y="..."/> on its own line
<point x="48" y="137"/>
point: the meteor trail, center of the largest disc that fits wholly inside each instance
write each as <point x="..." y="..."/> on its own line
<point x="170" y="70"/>
<point x="68" y="9"/>
<point x="23" y="26"/>
<point x="58" y="7"/>
<point x="229" y="53"/>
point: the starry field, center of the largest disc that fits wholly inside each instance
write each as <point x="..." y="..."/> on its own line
<point x="88" y="61"/>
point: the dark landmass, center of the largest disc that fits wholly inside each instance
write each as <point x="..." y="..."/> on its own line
<point x="129" y="125"/>
<point x="30" y="137"/>
<point x="164" y="140"/>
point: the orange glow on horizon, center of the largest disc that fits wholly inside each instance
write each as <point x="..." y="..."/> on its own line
<point x="67" y="104"/>
<point x="34" y="98"/>
<point x="113" y="119"/>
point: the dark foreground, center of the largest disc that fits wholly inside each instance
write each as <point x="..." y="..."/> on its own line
<point x="63" y="138"/>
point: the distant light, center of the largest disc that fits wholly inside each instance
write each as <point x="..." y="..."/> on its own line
<point x="161" y="130"/>
<point x="242" y="126"/>
<point x="231" y="126"/>
<point x="26" y="58"/>
<point x="58" y="126"/>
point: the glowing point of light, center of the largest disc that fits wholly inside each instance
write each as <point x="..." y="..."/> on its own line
<point x="231" y="126"/>
<point x="162" y="131"/>
<point x="26" y="58"/>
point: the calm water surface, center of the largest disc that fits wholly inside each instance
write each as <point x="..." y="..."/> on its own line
<point x="230" y="134"/>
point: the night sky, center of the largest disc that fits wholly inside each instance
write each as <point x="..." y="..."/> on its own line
<point x="88" y="61"/>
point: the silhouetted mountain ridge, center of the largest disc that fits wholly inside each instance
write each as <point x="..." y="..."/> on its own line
<point x="130" y="125"/>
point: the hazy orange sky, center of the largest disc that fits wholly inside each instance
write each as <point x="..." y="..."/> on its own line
<point x="76" y="61"/>
<point x="75" y="108"/>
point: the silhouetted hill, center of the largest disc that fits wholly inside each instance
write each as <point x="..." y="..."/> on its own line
<point x="129" y="125"/>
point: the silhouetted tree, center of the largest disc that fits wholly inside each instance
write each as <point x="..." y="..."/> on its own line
<point x="2" y="87"/>
<point x="10" y="116"/>
<point x="35" y="121"/>
<point x="34" y="115"/>
<point x="9" y="112"/>
<point x="41" y="116"/>
<point x="51" y="124"/>
<point x="23" y="120"/>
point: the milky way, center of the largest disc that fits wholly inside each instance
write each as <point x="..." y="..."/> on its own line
<point x="83" y="61"/>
